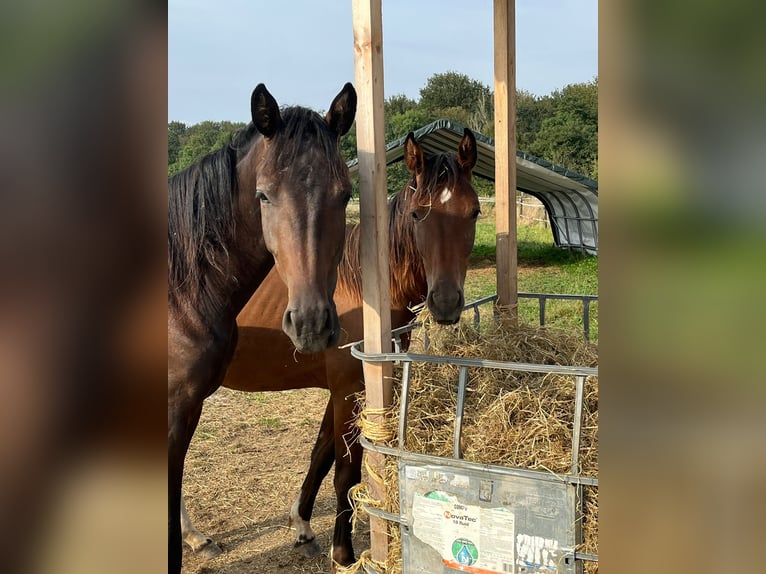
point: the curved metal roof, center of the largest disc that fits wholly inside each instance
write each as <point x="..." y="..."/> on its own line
<point x="571" y="199"/>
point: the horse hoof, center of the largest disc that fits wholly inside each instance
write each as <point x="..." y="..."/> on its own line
<point x="308" y="548"/>
<point x="209" y="550"/>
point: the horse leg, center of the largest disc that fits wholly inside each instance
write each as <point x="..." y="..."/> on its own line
<point x="322" y="457"/>
<point x="182" y="420"/>
<point x="348" y="472"/>
<point x="198" y="542"/>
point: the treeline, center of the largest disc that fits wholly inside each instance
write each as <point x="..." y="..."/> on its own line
<point x="561" y="127"/>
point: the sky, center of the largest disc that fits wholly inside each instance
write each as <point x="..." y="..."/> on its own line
<point x="303" y="50"/>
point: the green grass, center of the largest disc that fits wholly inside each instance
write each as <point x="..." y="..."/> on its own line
<point x="542" y="268"/>
<point x="484" y="243"/>
<point x="256" y="397"/>
<point x="271" y="423"/>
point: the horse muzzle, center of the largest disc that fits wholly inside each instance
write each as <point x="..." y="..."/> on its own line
<point x="445" y="305"/>
<point x="313" y="329"/>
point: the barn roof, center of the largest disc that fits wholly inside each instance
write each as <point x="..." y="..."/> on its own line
<point x="570" y="199"/>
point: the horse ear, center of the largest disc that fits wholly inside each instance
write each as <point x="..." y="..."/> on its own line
<point x="342" y="110"/>
<point x="466" y="152"/>
<point x="413" y="155"/>
<point x="265" y="111"/>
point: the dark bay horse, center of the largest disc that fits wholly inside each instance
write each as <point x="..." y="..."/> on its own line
<point x="276" y="194"/>
<point x="432" y="223"/>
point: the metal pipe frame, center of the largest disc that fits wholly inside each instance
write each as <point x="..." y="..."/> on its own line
<point x="406" y="360"/>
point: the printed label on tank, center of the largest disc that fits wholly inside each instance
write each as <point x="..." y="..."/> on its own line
<point x="467" y="537"/>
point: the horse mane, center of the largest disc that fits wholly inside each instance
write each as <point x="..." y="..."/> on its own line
<point x="201" y="198"/>
<point x="200" y="216"/>
<point x="405" y="262"/>
<point x="303" y="128"/>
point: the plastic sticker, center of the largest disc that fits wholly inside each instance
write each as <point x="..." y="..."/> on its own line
<point x="468" y="538"/>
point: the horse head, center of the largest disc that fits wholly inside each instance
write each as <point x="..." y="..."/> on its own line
<point x="444" y="208"/>
<point x="303" y="186"/>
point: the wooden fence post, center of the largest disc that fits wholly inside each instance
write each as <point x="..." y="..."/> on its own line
<point x="505" y="151"/>
<point x="371" y="147"/>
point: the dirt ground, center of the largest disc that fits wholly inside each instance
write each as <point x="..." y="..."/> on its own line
<point x="245" y="466"/>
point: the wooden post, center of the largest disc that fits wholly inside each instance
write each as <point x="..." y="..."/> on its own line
<point x="371" y="148"/>
<point x="505" y="151"/>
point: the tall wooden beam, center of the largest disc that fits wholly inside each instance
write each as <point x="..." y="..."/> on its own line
<point x="371" y="148"/>
<point x="505" y="151"/>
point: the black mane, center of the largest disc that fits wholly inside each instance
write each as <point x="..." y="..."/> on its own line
<point x="200" y="214"/>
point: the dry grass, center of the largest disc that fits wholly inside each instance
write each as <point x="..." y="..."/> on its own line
<point x="244" y="469"/>
<point x="511" y="418"/>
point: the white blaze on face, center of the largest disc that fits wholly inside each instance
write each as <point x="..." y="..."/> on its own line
<point x="445" y="196"/>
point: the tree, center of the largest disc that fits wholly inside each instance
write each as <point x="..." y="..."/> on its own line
<point x="399" y="125"/>
<point x="530" y="112"/>
<point x="458" y="97"/>
<point x="451" y="89"/>
<point x="176" y="130"/>
<point x="348" y="144"/>
<point x="196" y="141"/>
<point x="568" y="140"/>
<point x="561" y="127"/>
<point x="398" y="104"/>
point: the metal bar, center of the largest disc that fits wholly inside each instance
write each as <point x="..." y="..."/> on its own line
<point x="583" y="556"/>
<point x="414" y="457"/>
<point x="462" y="385"/>
<point x="542" y="299"/>
<point x="405" y="400"/>
<point x="579" y="231"/>
<point x="555" y="220"/>
<point x="487" y="299"/>
<point x="397" y="343"/>
<point x="577" y="430"/>
<point x="556" y="296"/>
<point x="569" y="201"/>
<point x="372" y="511"/>
<point x="579" y="515"/>
<point x="471" y="362"/>
<point x="476" y="317"/>
<point x="492" y="298"/>
<point x="586" y="318"/>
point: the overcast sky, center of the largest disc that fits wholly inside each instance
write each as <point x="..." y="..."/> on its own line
<point x="303" y="49"/>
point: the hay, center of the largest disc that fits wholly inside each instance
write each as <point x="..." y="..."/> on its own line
<point x="510" y="418"/>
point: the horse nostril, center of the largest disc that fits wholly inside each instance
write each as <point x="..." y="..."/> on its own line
<point x="288" y="319"/>
<point x="331" y="326"/>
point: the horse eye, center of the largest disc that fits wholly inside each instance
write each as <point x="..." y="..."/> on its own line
<point x="415" y="215"/>
<point x="475" y="214"/>
<point x="259" y="195"/>
<point x="346" y="198"/>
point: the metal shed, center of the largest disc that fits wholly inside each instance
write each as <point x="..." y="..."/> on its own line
<point x="569" y="198"/>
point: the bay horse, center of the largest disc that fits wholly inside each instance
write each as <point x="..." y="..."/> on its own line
<point x="275" y="195"/>
<point x="432" y="225"/>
